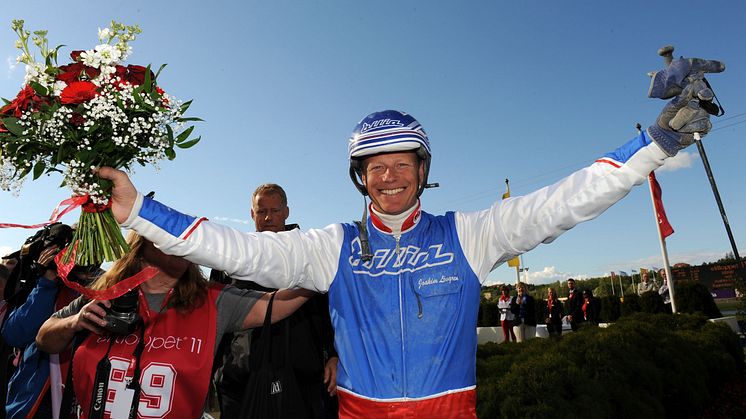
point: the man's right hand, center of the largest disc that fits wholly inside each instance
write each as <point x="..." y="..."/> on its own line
<point x="123" y="194"/>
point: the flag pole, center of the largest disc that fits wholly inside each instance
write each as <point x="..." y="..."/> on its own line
<point x="515" y="262"/>
<point x="613" y="292"/>
<point x="713" y="185"/>
<point x="664" y="251"/>
<point x="621" y="286"/>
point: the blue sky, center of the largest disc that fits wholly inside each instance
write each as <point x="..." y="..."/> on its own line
<point x="529" y="91"/>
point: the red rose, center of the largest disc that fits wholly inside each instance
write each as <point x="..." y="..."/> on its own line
<point x="78" y="92"/>
<point x="121" y="72"/>
<point x="164" y="101"/>
<point x="70" y="73"/>
<point x="77" y="119"/>
<point x="75" y="55"/>
<point x="136" y="74"/>
<point x="25" y="97"/>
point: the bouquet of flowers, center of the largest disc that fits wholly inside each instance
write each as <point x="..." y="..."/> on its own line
<point x="91" y="112"/>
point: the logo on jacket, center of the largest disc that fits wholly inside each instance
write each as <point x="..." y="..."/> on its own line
<point x="408" y="259"/>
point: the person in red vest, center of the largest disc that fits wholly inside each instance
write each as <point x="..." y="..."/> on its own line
<point x="161" y="365"/>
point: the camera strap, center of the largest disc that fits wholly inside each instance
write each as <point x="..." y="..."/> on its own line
<point x="101" y="382"/>
<point x="135" y="383"/>
<point x="101" y="385"/>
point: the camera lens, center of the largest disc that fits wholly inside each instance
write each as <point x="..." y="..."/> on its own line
<point x="126" y="303"/>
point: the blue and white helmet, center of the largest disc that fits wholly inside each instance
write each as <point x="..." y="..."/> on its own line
<point x="387" y="132"/>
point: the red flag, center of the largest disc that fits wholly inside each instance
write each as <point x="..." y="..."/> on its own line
<point x="663" y="224"/>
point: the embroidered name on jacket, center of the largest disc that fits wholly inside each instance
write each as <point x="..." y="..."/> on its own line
<point x="388" y="262"/>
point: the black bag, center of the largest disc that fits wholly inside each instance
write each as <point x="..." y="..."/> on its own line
<point x="272" y="390"/>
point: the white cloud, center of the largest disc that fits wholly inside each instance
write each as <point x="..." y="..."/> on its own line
<point x="546" y="276"/>
<point x="11" y="62"/>
<point x="656" y="261"/>
<point x="682" y="160"/>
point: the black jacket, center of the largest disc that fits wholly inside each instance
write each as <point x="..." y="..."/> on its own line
<point x="573" y="306"/>
<point x="529" y="310"/>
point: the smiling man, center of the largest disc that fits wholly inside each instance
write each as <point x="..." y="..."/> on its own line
<point x="404" y="284"/>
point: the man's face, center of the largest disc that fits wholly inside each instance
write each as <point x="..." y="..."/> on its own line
<point x="645" y="277"/>
<point x="571" y="285"/>
<point x="269" y="213"/>
<point x="393" y="180"/>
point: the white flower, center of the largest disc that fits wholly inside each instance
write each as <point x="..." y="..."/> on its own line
<point x="108" y="54"/>
<point x="34" y="72"/>
<point x="90" y="58"/>
<point x="57" y="87"/>
<point x="104" y="34"/>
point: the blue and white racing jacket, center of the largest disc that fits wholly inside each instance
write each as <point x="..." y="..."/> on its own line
<point x="405" y="322"/>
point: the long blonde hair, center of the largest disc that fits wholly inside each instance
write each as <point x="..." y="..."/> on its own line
<point x="188" y="293"/>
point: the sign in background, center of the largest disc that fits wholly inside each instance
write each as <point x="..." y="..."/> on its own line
<point x="720" y="278"/>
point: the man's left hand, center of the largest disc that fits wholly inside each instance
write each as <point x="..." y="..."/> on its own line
<point x="330" y="375"/>
<point x="682" y="116"/>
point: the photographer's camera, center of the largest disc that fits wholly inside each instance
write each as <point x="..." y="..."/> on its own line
<point x="122" y="318"/>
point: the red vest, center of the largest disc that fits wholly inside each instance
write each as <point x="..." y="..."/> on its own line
<point x="176" y="363"/>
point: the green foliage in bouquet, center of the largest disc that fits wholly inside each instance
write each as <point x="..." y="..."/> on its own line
<point x="91" y="112"/>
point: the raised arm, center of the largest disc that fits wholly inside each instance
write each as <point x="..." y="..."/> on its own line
<point x="276" y="260"/>
<point x="517" y="225"/>
<point x="22" y="324"/>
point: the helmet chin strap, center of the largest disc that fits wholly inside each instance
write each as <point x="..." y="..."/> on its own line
<point x="362" y="227"/>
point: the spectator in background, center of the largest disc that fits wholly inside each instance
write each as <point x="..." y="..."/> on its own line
<point x="506" y="316"/>
<point x="523" y="308"/>
<point x="9" y="263"/>
<point x="590" y="307"/>
<point x="646" y="285"/>
<point x="4" y="274"/>
<point x="29" y="387"/>
<point x="663" y="290"/>
<point x="310" y="333"/>
<point x="574" y="303"/>
<point x="553" y="313"/>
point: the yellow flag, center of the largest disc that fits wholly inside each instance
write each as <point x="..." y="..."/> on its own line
<point x="515" y="262"/>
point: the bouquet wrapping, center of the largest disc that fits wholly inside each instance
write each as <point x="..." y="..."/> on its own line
<point x="93" y="111"/>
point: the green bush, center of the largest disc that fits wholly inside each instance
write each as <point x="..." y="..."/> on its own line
<point x="490" y="314"/>
<point x="652" y="302"/>
<point x="643" y="366"/>
<point x="693" y="297"/>
<point x="611" y="309"/>
<point x="630" y="305"/>
<point x="540" y="307"/>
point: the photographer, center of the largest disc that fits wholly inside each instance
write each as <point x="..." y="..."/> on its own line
<point x="29" y="392"/>
<point x="161" y="367"/>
